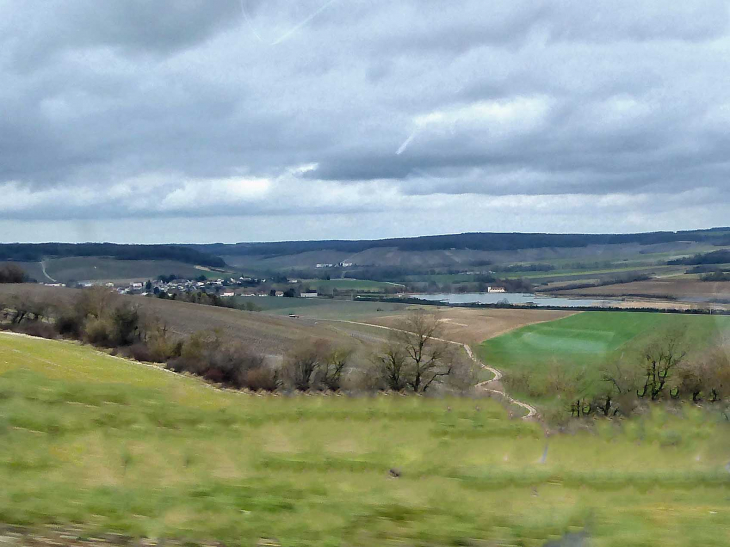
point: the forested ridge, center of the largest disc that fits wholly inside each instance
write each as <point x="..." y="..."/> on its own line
<point x="35" y="252"/>
<point x="478" y="241"/>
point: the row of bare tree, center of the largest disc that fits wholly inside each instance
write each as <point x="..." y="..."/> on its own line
<point x="414" y="359"/>
<point x="664" y="371"/>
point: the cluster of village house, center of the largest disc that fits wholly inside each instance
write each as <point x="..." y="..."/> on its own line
<point x="224" y="288"/>
<point x="335" y="265"/>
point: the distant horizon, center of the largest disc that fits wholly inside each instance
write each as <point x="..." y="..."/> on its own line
<point x="713" y="228"/>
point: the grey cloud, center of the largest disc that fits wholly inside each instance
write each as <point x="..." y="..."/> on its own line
<point x="46" y="29"/>
<point x="504" y="98"/>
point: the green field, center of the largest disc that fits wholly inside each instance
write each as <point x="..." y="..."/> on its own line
<point x="116" y="446"/>
<point x="586" y="341"/>
<point x="358" y="285"/>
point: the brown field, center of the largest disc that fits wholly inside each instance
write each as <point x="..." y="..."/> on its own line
<point x="274" y="335"/>
<point x="472" y="326"/>
<point x="267" y="334"/>
<point x="679" y="288"/>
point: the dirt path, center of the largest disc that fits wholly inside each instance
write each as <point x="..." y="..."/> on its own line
<point x="485" y="386"/>
<point x="43" y="269"/>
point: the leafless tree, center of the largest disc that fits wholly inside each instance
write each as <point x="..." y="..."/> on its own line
<point x="706" y="376"/>
<point x="415" y="356"/>
<point x="332" y="367"/>
<point x="661" y="359"/>
<point x="316" y="365"/>
<point x="12" y="273"/>
<point x="392" y="365"/>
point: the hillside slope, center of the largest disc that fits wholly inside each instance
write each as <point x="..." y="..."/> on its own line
<point x="117" y="446"/>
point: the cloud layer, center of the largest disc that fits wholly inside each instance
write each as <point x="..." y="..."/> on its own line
<point x="239" y="120"/>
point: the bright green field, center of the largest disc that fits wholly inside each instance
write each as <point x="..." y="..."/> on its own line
<point x="117" y="446"/>
<point x="587" y="341"/>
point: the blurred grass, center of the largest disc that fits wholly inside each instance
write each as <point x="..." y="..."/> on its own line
<point x="117" y="446"/>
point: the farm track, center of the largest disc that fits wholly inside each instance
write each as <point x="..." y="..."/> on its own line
<point x="484" y="386"/>
<point x="43" y="269"/>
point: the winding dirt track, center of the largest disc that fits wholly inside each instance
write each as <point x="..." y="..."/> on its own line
<point x="531" y="410"/>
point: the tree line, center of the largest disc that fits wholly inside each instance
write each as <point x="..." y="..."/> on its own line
<point x="35" y="252"/>
<point x="664" y="371"/>
<point x="721" y="256"/>
<point x="483" y="241"/>
<point x="413" y="359"/>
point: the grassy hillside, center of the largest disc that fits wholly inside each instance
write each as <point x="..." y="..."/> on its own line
<point x="64" y="270"/>
<point x="116" y="446"/>
<point x="586" y="341"/>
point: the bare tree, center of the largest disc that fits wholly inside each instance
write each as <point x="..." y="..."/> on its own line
<point x="706" y="376"/>
<point x="316" y="365"/>
<point x="414" y="356"/>
<point x="661" y="359"/>
<point x="392" y="365"/>
<point x="12" y="273"/>
<point x="332" y="367"/>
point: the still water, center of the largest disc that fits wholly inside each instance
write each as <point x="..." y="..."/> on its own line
<point x="511" y="298"/>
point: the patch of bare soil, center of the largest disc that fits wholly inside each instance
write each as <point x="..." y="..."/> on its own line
<point x="473" y="326"/>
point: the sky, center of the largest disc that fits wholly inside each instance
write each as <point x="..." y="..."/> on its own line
<point x="249" y="120"/>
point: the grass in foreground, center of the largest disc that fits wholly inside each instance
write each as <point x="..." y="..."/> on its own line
<point x="118" y="446"/>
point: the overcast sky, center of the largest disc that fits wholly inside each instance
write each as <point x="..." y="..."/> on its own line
<point x="229" y="120"/>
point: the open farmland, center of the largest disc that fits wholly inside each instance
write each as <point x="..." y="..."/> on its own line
<point x="680" y="288"/>
<point x="67" y="269"/>
<point x="580" y="345"/>
<point x="265" y="333"/>
<point x="346" y="284"/>
<point x="323" y="307"/>
<point x="472" y="326"/>
<point x="114" y="446"/>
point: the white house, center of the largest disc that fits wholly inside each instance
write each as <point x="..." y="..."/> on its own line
<point x="309" y="294"/>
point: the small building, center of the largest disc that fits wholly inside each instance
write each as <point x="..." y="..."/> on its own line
<point x="227" y="294"/>
<point x="496" y="289"/>
<point x="309" y="294"/>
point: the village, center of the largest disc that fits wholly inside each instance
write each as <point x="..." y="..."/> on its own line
<point x="172" y="286"/>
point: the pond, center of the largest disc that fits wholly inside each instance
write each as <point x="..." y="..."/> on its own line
<point x="512" y="298"/>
